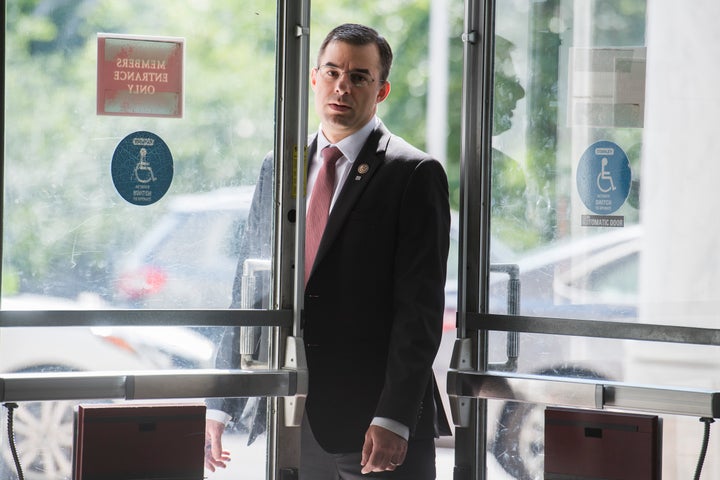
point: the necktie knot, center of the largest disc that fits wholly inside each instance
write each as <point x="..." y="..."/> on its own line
<point x="331" y="155"/>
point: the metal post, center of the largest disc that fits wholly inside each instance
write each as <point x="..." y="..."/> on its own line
<point x="470" y="446"/>
<point x="291" y="134"/>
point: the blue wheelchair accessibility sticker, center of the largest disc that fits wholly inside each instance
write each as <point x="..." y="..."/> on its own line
<point x="604" y="177"/>
<point x="142" y="168"/>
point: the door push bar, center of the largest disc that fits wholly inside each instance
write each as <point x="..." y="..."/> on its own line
<point x="295" y="362"/>
<point x="464" y="383"/>
<point x="28" y="387"/>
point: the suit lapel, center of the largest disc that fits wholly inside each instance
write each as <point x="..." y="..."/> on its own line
<point x="363" y="169"/>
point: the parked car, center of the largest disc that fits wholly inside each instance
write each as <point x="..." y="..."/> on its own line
<point x="43" y="431"/>
<point x="188" y="259"/>
<point x="591" y="278"/>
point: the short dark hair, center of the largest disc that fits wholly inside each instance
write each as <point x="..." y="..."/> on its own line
<point x="356" y="34"/>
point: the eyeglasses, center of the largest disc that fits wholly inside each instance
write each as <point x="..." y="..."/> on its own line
<point x="331" y="74"/>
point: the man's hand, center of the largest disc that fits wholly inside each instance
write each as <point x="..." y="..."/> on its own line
<point x="215" y="456"/>
<point x="383" y="450"/>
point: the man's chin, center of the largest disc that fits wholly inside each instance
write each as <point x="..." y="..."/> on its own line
<point x="339" y="117"/>
<point x="339" y="122"/>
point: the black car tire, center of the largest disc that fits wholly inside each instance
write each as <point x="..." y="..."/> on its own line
<point x="519" y="440"/>
<point x="43" y="436"/>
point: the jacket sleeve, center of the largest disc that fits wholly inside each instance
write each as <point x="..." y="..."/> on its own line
<point x="419" y="293"/>
<point x="255" y="242"/>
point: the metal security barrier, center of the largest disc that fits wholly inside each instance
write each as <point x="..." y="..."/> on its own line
<point x="31" y="387"/>
<point x="464" y="382"/>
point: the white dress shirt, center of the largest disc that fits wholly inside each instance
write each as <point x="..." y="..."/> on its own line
<point x="350" y="148"/>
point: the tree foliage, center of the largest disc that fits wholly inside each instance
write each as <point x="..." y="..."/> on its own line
<point x="65" y="225"/>
<point x="62" y="213"/>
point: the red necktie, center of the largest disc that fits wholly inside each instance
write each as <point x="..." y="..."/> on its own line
<point x="319" y="208"/>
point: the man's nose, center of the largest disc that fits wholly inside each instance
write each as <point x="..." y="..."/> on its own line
<point x="342" y="83"/>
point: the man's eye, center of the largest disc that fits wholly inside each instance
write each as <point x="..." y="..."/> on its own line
<point x="357" y="78"/>
<point x="333" y="73"/>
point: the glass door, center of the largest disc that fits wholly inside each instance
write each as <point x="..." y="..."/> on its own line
<point x="588" y="143"/>
<point x="134" y="136"/>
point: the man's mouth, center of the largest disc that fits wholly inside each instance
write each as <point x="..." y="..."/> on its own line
<point x="339" y="107"/>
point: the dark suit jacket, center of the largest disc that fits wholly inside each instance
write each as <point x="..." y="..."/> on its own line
<point x="374" y="300"/>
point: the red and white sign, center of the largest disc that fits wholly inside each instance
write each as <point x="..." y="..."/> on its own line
<point x="140" y="75"/>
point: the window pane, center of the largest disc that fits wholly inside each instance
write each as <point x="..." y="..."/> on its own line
<point x="592" y="109"/>
<point x="69" y="229"/>
<point x="72" y="239"/>
<point x="576" y="241"/>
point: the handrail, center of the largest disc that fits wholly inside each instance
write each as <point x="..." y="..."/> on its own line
<point x="583" y="393"/>
<point x="121" y="318"/>
<point x="150" y="385"/>
<point x="594" y="328"/>
<point x="465" y="382"/>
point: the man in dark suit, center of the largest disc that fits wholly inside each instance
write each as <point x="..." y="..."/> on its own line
<point x="374" y="293"/>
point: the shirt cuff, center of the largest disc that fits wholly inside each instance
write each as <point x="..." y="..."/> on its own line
<point x="218" y="416"/>
<point x="392" y="425"/>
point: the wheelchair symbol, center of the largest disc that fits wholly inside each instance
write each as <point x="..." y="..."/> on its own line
<point x="143" y="166"/>
<point x="604" y="179"/>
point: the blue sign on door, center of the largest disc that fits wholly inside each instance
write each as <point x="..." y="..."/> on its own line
<point x="142" y="168"/>
<point x="603" y="177"/>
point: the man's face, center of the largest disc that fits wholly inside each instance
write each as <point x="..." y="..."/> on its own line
<point x="343" y="107"/>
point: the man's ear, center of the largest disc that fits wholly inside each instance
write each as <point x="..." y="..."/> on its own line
<point x="313" y="78"/>
<point x="383" y="92"/>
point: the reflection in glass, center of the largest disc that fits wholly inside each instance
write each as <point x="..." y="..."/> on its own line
<point x="565" y="269"/>
<point x="71" y="242"/>
<point x="591" y="71"/>
<point x="66" y="230"/>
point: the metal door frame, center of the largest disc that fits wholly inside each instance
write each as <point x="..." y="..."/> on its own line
<point x="285" y="381"/>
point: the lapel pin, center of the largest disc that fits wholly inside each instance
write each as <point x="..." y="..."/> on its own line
<point x="363" y="169"/>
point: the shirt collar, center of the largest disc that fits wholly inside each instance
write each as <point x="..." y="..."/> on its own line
<point x="351" y="145"/>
